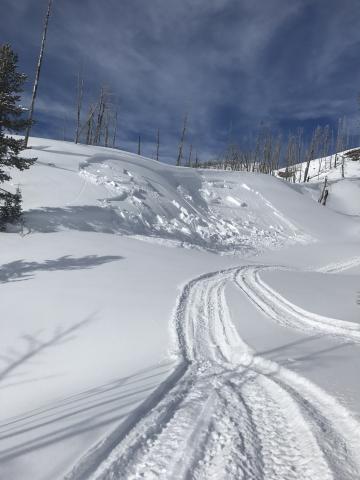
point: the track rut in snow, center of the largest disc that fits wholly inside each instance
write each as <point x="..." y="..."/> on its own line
<point x="279" y="309"/>
<point x="227" y="413"/>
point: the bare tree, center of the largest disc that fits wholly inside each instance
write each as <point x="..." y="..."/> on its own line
<point x="182" y="139"/>
<point x="190" y="154"/>
<point x="343" y="166"/>
<point x="80" y="92"/>
<point x="102" y="105"/>
<point x="37" y="75"/>
<point x="340" y="138"/>
<point x="290" y="156"/>
<point x="115" y="128"/>
<point x="321" y="198"/>
<point x="107" y="128"/>
<point x="90" y="125"/>
<point x="313" y="148"/>
<point x="196" y="160"/>
<point x="326" y="194"/>
<point x="324" y="150"/>
<point x="298" y="152"/>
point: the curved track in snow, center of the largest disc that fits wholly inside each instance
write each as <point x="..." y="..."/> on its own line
<point x="227" y="413"/>
<point x="279" y="309"/>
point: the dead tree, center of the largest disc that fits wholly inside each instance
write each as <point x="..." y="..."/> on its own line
<point x="181" y="144"/>
<point x="107" y="128"/>
<point x="139" y="146"/>
<point x="313" y="147"/>
<point x="299" y="150"/>
<point x="325" y="141"/>
<point x="37" y="75"/>
<point x="343" y="166"/>
<point x="115" y="128"/>
<point x="326" y="194"/>
<point x="321" y="198"/>
<point x="90" y="125"/>
<point x="102" y="104"/>
<point x="290" y="159"/>
<point x="190" y="153"/>
<point x="276" y="154"/>
<point x="256" y="154"/>
<point x="340" y="138"/>
<point x="80" y="92"/>
<point x="309" y="158"/>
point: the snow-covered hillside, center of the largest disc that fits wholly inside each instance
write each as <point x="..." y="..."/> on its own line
<point x="342" y="172"/>
<point x="105" y="190"/>
<point x="166" y="322"/>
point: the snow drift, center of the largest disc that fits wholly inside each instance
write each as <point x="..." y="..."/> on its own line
<point x="110" y="191"/>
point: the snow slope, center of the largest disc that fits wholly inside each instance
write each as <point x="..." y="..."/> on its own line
<point x="128" y="344"/>
<point x="105" y="190"/>
<point x="344" y="192"/>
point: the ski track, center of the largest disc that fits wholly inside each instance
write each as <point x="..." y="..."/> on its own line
<point x="227" y="413"/>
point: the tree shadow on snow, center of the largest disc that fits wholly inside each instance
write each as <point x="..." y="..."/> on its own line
<point x="33" y="346"/>
<point x="88" y="411"/>
<point x="83" y="218"/>
<point x="294" y="356"/>
<point x="20" y="270"/>
<point x="91" y="218"/>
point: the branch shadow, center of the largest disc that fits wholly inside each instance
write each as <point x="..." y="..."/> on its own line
<point x="53" y="165"/>
<point x="36" y="345"/>
<point x="21" y="270"/>
<point x="75" y="415"/>
<point x="300" y="360"/>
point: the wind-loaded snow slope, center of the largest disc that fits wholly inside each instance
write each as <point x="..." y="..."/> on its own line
<point x="125" y="355"/>
<point x="104" y="190"/>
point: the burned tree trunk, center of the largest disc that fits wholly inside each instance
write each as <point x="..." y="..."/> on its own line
<point x="115" y="128"/>
<point x="326" y="193"/>
<point x="37" y="75"/>
<point x="324" y="189"/>
<point x="190" y="155"/>
<point x="181" y="144"/>
<point x="80" y="91"/>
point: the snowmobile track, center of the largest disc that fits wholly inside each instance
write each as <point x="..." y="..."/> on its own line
<point x="286" y="313"/>
<point x="226" y="413"/>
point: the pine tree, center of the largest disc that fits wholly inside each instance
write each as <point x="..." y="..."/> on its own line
<point x="11" y="85"/>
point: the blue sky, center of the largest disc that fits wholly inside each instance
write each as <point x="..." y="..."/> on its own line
<point x="231" y="64"/>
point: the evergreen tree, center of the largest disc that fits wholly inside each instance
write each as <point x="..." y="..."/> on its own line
<point x="11" y="121"/>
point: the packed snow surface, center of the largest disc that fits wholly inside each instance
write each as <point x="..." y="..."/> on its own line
<point x="160" y="322"/>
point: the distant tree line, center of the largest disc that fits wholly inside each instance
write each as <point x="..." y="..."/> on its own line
<point x="271" y="151"/>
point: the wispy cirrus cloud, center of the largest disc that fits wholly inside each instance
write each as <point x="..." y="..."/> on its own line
<point x="229" y="63"/>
